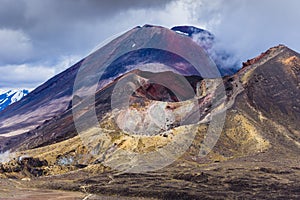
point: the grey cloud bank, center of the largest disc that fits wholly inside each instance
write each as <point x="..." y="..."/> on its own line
<point x="40" y="38"/>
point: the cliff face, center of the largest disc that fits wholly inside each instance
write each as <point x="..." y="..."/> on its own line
<point x="255" y="154"/>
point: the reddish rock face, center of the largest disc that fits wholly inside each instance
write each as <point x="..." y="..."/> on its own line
<point x="167" y="86"/>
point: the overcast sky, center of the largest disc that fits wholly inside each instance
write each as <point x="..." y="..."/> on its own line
<point x="40" y="38"/>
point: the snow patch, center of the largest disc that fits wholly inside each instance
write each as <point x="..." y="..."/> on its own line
<point x="9" y="97"/>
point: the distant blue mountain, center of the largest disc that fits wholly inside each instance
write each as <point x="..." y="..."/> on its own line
<point x="11" y="96"/>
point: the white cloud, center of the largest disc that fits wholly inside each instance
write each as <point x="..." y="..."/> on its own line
<point x="250" y="27"/>
<point x="66" y="62"/>
<point x="15" y="46"/>
<point x="24" y="76"/>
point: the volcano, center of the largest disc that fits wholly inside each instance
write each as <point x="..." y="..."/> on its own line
<point x="149" y="115"/>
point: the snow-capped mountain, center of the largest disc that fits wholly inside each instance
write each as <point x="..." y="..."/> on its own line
<point x="225" y="60"/>
<point x="11" y="96"/>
